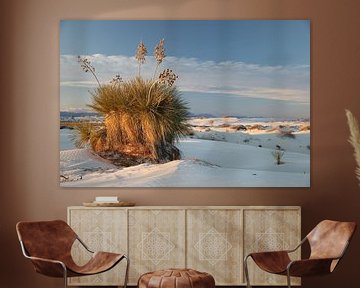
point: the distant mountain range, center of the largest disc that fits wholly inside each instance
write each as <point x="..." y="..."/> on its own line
<point x="66" y="114"/>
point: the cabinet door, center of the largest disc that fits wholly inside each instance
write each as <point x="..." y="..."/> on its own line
<point x="156" y="240"/>
<point x="271" y="230"/>
<point x="214" y="244"/>
<point x="100" y="230"/>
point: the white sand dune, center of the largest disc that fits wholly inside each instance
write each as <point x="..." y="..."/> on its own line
<point x="241" y="156"/>
<point x="206" y="164"/>
<point x="299" y="144"/>
<point x="189" y="173"/>
<point x="269" y="137"/>
<point x="226" y="122"/>
<point x="75" y="163"/>
<point x="215" y="156"/>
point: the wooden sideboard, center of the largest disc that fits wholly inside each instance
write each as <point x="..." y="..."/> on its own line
<point x="212" y="239"/>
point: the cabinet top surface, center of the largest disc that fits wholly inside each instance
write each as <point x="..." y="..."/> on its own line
<point x="192" y="207"/>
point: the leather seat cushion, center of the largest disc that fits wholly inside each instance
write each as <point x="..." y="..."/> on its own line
<point x="176" y="278"/>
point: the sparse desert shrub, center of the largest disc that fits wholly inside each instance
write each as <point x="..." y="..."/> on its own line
<point x="142" y="118"/>
<point x="304" y="128"/>
<point x="287" y="134"/>
<point x="272" y="129"/>
<point x="278" y="154"/>
<point x="224" y="125"/>
<point x="256" y="127"/>
<point x="239" y="127"/>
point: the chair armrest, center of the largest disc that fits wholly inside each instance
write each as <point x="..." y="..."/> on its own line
<point x="84" y="245"/>
<point x="48" y="267"/>
<point x="298" y="246"/>
<point x="46" y="260"/>
<point x="309" y="267"/>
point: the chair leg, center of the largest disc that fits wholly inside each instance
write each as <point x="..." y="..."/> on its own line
<point x="65" y="276"/>
<point x="246" y="270"/>
<point x="288" y="278"/>
<point x="127" y="271"/>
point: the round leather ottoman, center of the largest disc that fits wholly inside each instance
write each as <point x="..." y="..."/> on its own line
<point x="176" y="278"/>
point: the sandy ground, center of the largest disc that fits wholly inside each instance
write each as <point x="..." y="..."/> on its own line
<point x="217" y="155"/>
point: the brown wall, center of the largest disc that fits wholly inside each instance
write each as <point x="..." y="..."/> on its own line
<point x="29" y="111"/>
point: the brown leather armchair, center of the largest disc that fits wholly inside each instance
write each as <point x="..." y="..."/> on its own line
<point x="48" y="245"/>
<point x="328" y="242"/>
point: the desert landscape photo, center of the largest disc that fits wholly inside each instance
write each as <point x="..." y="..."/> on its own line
<point x="200" y="103"/>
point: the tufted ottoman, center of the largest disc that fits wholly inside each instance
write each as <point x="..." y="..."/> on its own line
<point x="176" y="278"/>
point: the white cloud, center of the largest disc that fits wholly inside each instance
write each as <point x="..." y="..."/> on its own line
<point x="232" y="78"/>
<point x="77" y="109"/>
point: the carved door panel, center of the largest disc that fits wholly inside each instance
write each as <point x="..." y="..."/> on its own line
<point x="101" y="230"/>
<point x="156" y="240"/>
<point x="270" y="230"/>
<point x="214" y="244"/>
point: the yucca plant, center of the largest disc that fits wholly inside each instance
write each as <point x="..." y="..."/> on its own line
<point x="88" y="133"/>
<point x="139" y="122"/>
<point x="141" y="117"/>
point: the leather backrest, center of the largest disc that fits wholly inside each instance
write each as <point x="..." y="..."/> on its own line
<point x="329" y="239"/>
<point x="47" y="239"/>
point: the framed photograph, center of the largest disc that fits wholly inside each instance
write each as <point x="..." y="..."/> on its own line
<point x="180" y="103"/>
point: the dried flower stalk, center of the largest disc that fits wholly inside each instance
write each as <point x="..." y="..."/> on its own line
<point x="141" y="52"/>
<point x="354" y="140"/>
<point x="116" y="80"/>
<point x="168" y="77"/>
<point x="87" y="67"/>
<point x="159" y="54"/>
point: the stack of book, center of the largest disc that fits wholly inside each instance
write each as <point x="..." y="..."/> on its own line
<point x="106" y="199"/>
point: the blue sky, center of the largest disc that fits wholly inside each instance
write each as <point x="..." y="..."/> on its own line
<point x="252" y="64"/>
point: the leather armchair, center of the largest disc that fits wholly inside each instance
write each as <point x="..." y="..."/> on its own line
<point x="328" y="242"/>
<point x="48" y="245"/>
